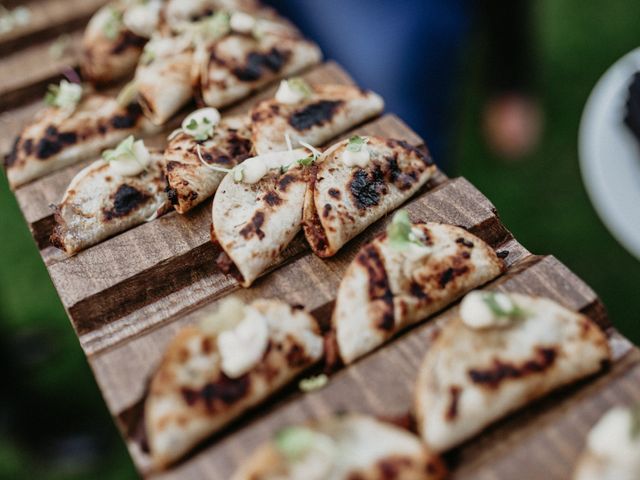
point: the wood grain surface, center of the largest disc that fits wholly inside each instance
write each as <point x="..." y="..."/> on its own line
<point x="127" y="296"/>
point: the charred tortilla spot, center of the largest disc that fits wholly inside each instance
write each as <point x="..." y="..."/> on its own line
<point x="272" y="199"/>
<point x="126" y="40"/>
<point x="257" y="63"/>
<point x="125" y="200"/>
<point x="285" y="181"/>
<point x="12" y="156"/>
<point x="102" y="129"/>
<point x="296" y="355"/>
<point x="53" y="142"/>
<point x="393" y="144"/>
<point x="416" y="290"/>
<point x="500" y="371"/>
<point x="226" y="390"/>
<point x="326" y="210"/>
<point x="403" y="180"/>
<point x="452" y="410"/>
<point x="465" y="242"/>
<point x="367" y="187"/>
<point x="253" y="227"/>
<point x="314" y="114"/>
<point x="27" y="146"/>
<point x="335" y="193"/>
<point x="379" y="288"/>
<point x="206" y="345"/>
<point x="466" y="255"/>
<point x="129" y="119"/>
<point x="451" y="273"/>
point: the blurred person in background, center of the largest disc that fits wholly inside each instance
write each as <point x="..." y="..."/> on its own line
<point x="410" y="52"/>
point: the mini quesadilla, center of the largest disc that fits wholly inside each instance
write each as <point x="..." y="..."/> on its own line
<point x="193" y="154"/>
<point x="355" y="183"/>
<point x="163" y="76"/>
<point x="403" y="276"/>
<point x="111" y="195"/>
<point x="344" y="447"/>
<point x="501" y="352"/>
<point x="75" y="126"/>
<point x="312" y="114"/>
<point x="257" y="211"/>
<point x="612" y="450"/>
<point x="213" y="372"/>
<point x="110" y="50"/>
<point x="252" y="53"/>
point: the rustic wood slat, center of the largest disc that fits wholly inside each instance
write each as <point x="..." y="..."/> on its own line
<point x="48" y="18"/>
<point x="25" y="74"/>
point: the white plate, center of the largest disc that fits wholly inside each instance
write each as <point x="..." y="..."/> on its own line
<point x="610" y="154"/>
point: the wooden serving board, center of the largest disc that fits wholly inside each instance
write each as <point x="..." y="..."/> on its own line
<point x="129" y="295"/>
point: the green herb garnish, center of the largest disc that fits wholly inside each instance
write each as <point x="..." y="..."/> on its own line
<point x="400" y="232"/>
<point x="124" y="149"/>
<point x="356" y="143"/>
<point x="65" y="95"/>
<point x="192" y="125"/>
<point x="313" y="383"/>
<point x="514" y="312"/>
<point x="294" y="442"/>
<point x="112" y="24"/>
<point x="300" y="86"/>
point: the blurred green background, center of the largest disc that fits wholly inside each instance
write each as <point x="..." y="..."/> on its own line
<point x="53" y="422"/>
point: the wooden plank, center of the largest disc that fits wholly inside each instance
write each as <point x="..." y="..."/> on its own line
<point x="380" y="384"/>
<point x="48" y="18"/>
<point x="37" y="68"/>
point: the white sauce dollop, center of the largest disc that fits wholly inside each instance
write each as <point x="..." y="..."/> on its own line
<point x="242" y="347"/>
<point x="356" y="159"/>
<point x="142" y="19"/>
<point x="611" y="439"/>
<point x="242" y="22"/>
<point x="255" y="168"/>
<point x="475" y="312"/>
<point x="205" y="119"/>
<point x="288" y="95"/>
<point x="128" y="165"/>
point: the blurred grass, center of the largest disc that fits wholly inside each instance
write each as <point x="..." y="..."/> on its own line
<point x="53" y="422"/>
<point x="542" y="199"/>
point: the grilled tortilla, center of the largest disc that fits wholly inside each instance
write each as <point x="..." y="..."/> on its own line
<point x="253" y="223"/>
<point x="342" y="201"/>
<point x="55" y="139"/>
<point x="473" y="376"/>
<point x="110" y="51"/>
<point x="191" y="396"/>
<point x="386" y="289"/>
<point x="189" y="181"/>
<point x="239" y="64"/>
<point x="164" y="83"/>
<point x="325" y="113"/>
<point x="100" y="203"/>
<point x="345" y="447"/>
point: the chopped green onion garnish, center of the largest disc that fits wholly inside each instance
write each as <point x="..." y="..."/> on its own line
<point x="294" y="442"/>
<point x="313" y="383"/>
<point x="400" y="232"/>
<point x="356" y="143"/>
<point x="513" y="311"/>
